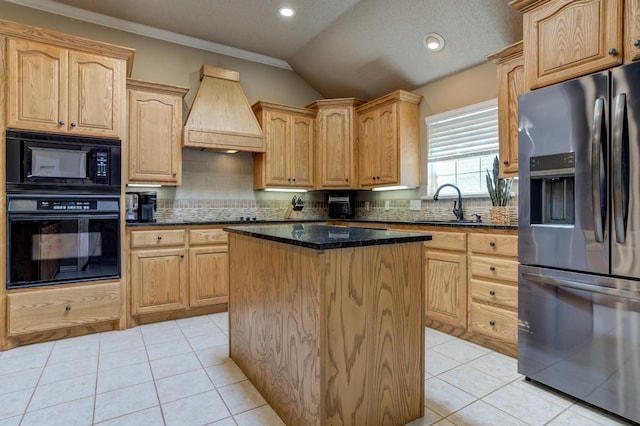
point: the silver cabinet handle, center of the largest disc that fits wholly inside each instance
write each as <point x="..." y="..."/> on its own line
<point x="597" y="182"/>
<point x="620" y="189"/>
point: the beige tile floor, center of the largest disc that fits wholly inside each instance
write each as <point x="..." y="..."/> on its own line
<point x="179" y="373"/>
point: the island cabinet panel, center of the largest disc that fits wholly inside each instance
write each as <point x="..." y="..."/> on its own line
<point x="331" y="337"/>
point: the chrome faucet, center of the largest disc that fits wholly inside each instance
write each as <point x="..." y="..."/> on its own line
<point x="456" y="210"/>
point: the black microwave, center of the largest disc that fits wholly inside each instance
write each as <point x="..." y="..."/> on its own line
<point x="59" y="163"/>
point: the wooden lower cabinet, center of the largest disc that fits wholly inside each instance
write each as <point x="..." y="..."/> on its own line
<point x="493" y="288"/>
<point x="177" y="270"/>
<point x="38" y="311"/>
<point x="208" y="267"/>
<point x="446" y="287"/>
<point x="158" y="280"/>
<point x="471" y="282"/>
<point x="445" y="278"/>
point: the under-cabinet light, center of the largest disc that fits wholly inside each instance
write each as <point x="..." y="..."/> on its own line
<point x="284" y="190"/>
<point x="392" y="188"/>
<point x="144" y="185"/>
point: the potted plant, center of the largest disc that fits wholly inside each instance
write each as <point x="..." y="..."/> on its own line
<point x="500" y="193"/>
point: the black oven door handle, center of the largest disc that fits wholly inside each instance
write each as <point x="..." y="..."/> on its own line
<point x="576" y="285"/>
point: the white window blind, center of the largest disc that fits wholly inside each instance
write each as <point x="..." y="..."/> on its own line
<point x="461" y="145"/>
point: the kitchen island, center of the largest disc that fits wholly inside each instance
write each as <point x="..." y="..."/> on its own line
<point x="327" y="321"/>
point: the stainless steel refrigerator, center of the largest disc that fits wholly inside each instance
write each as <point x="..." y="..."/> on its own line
<point x="579" y="238"/>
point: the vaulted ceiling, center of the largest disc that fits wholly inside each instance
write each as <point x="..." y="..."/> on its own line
<point x="362" y="48"/>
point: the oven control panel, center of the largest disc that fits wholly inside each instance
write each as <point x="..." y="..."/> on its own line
<point x="67" y="205"/>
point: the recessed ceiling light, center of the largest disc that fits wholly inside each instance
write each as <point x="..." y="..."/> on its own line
<point x="433" y="42"/>
<point x="287" y="11"/>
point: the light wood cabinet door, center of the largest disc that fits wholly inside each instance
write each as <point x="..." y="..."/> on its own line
<point x="387" y="140"/>
<point x="208" y="275"/>
<point x="158" y="280"/>
<point x="155" y="129"/>
<point x="290" y="141"/>
<point x="37" y="86"/>
<point x="301" y="151"/>
<point x="446" y="287"/>
<point x="564" y="39"/>
<point x="96" y="94"/>
<point x="336" y="148"/>
<point x="631" y="30"/>
<point x="367" y="130"/>
<point x="511" y="84"/>
<point x="59" y="90"/>
<point x="379" y="139"/>
<point x="277" y="136"/>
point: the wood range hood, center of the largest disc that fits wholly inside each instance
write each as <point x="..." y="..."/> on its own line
<point x="220" y="117"/>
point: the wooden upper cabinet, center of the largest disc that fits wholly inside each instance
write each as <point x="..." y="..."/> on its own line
<point x="388" y="139"/>
<point x="37" y="85"/>
<point x="336" y="148"/>
<point x="302" y="150"/>
<point x="289" y="142"/>
<point x="155" y="131"/>
<point x="564" y="39"/>
<point x="510" y="65"/>
<point x="631" y="30"/>
<point x="97" y="87"/>
<point x="388" y="148"/>
<point x="62" y="90"/>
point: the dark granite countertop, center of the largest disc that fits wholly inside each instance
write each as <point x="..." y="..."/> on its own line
<point x="180" y="222"/>
<point x="325" y="237"/>
<point x="452" y="223"/>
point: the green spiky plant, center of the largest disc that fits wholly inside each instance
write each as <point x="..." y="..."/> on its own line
<point x="499" y="188"/>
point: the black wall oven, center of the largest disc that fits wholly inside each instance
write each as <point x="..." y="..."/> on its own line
<point x="55" y="239"/>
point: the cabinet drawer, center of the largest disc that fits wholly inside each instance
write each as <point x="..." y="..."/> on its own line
<point x="42" y="310"/>
<point x="504" y="245"/>
<point x="493" y="268"/>
<point x="456" y="241"/>
<point x="494" y="322"/>
<point x="501" y="294"/>
<point x="158" y="238"/>
<point x="207" y="236"/>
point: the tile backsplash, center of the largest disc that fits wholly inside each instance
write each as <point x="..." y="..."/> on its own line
<point x="315" y="207"/>
<point x="217" y="186"/>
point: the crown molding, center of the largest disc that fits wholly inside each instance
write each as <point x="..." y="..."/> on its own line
<point x="147" y="31"/>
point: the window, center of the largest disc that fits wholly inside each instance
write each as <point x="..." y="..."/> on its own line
<point x="462" y="145"/>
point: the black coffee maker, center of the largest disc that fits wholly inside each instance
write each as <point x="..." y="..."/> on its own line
<point x="147" y="206"/>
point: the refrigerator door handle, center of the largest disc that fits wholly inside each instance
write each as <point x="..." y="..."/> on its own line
<point x="596" y="177"/>
<point x="620" y="185"/>
<point x="575" y="285"/>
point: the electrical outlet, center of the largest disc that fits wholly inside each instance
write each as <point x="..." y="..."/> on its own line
<point x="387" y="205"/>
<point x="366" y="205"/>
<point x="415" y="204"/>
